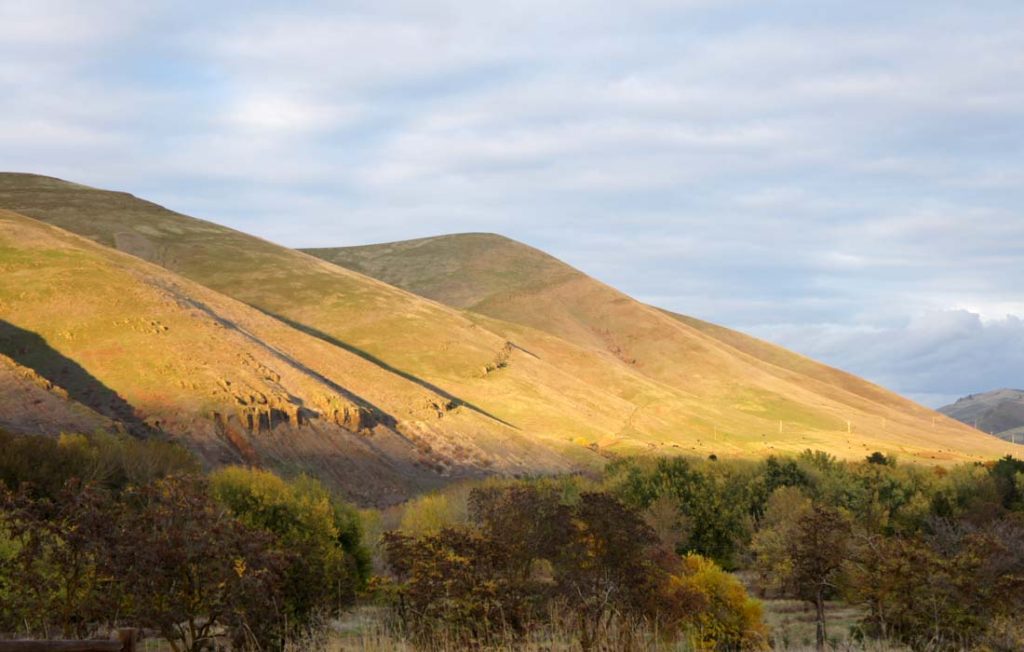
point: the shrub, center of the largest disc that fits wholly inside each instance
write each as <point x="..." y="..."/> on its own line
<point x="53" y="573"/>
<point x="721" y="616"/>
<point x="454" y="586"/>
<point x="189" y="569"/>
<point x="432" y="513"/>
<point x="595" y="562"/>
<point x="45" y="464"/>
<point x="320" y="533"/>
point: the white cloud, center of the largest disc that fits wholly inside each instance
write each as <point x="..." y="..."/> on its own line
<point x="797" y="162"/>
<point x="935" y="356"/>
<point x="269" y="114"/>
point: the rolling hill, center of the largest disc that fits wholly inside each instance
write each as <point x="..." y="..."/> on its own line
<point x="392" y="368"/>
<point x="999" y="412"/>
<point x="748" y="390"/>
<point x="92" y="338"/>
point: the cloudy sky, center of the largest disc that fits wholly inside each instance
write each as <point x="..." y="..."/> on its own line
<point x="844" y="178"/>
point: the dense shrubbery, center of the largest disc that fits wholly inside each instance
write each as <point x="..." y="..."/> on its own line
<point x="133" y="534"/>
<point x="45" y="464"/>
<point x="94" y="529"/>
<point x="328" y="563"/>
<point x="934" y="555"/>
<point x="532" y="557"/>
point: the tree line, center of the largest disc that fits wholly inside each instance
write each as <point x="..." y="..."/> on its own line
<point x="933" y="555"/>
<point x="533" y="557"/>
<point x="102" y="530"/>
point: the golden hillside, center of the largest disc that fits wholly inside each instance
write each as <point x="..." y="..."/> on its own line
<point x="91" y="337"/>
<point x="731" y="392"/>
<point x="467" y="355"/>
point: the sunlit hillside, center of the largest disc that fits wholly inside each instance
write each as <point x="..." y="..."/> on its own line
<point x="394" y="368"/>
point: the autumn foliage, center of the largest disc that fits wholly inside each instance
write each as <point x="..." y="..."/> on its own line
<point x="248" y="561"/>
<point x="531" y="560"/>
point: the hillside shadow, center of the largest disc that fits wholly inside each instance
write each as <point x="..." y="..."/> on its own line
<point x="30" y="350"/>
<point x="385" y="417"/>
<point x="369" y="357"/>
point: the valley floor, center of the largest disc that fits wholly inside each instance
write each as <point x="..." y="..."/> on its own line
<point x="791" y="623"/>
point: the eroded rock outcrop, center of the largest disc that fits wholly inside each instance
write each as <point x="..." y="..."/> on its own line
<point x="258" y="411"/>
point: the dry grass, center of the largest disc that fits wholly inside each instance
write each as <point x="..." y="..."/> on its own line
<point x="793" y="631"/>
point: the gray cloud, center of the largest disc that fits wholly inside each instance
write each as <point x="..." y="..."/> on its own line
<point x="832" y="166"/>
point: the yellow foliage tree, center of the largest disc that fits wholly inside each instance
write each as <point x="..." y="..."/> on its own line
<point x="430" y="514"/>
<point x="722" y="615"/>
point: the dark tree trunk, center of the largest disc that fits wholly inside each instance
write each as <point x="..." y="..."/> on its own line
<point x="819" y="607"/>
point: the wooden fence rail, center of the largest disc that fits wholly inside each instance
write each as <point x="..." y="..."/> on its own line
<point x="125" y="642"/>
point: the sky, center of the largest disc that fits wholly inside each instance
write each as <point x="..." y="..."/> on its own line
<point x="843" y="178"/>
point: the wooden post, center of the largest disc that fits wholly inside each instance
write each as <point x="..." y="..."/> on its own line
<point x="129" y="638"/>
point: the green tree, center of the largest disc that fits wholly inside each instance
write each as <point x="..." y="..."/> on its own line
<point x="773" y="562"/>
<point x="878" y="458"/>
<point x="818" y="551"/>
<point x="1008" y="473"/>
<point x="714" y="500"/>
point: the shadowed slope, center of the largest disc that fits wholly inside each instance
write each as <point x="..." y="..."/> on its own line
<point x="31" y="403"/>
<point x="30" y="351"/>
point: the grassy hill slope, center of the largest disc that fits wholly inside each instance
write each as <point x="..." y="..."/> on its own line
<point x="532" y="366"/>
<point x="91" y="337"/>
<point x="749" y="394"/>
<point x="428" y="344"/>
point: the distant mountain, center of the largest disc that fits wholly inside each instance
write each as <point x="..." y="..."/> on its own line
<point x="391" y="369"/>
<point x="999" y="412"/>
